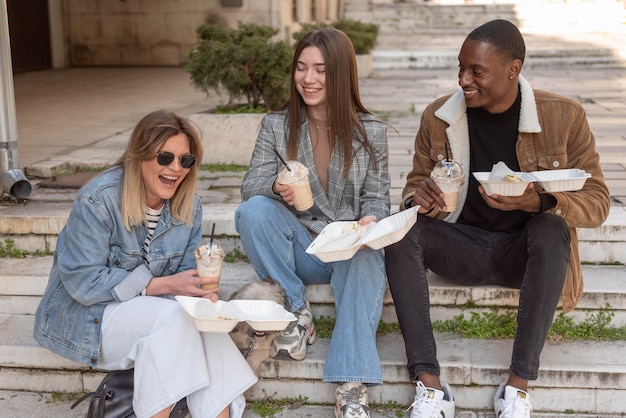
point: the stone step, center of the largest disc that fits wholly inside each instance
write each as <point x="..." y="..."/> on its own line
<point x="441" y="59"/>
<point x="427" y="35"/>
<point x="36" y="225"/>
<point x="584" y="376"/>
<point x="591" y="383"/>
<point x="23" y="281"/>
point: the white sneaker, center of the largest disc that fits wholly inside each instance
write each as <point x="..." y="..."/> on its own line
<point x="430" y="403"/>
<point x="511" y="402"/>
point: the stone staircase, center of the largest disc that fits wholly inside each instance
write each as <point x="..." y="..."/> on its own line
<point x="584" y="376"/>
<point x="427" y="34"/>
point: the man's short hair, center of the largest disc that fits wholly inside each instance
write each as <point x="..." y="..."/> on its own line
<point x="504" y="36"/>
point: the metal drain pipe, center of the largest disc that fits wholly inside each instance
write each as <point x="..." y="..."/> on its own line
<point x="12" y="180"/>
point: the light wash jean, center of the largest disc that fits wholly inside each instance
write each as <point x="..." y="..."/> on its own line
<point x="275" y="242"/>
<point x="172" y="359"/>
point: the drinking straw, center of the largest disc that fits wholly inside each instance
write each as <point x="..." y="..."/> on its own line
<point x="282" y="160"/>
<point x="212" y="233"/>
<point x="448" y="165"/>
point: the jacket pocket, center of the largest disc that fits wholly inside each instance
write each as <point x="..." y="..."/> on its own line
<point x="124" y="259"/>
<point x="552" y="160"/>
<point x="438" y="152"/>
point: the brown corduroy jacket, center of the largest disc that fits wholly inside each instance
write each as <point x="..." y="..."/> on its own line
<point x="553" y="134"/>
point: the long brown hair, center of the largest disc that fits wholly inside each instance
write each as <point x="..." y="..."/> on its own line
<point x="343" y="102"/>
<point x="145" y="141"/>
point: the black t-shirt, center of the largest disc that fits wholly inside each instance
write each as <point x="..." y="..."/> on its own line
<point x="492" y="139"/>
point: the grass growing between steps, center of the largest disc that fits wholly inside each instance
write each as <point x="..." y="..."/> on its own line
<point x="270" y="406"/>
<point x="8" y="249"/>
<point x="498" y="324"/>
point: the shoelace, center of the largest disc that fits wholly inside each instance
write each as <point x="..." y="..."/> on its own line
<point x="426" y="406"/>
<point x="353" y="404"/>
<point x="520" y="407"/>
<point x="299" y="322"/>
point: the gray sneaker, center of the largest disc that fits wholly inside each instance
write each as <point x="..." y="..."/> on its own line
<point x="292" y="341"/>
<point x="351" y="401"/>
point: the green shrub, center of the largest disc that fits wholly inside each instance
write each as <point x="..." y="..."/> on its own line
<point x="243" y="61"/>
<point x="363" y="35"/>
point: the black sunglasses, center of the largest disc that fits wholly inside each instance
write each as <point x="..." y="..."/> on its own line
<point x="165" y="158"/>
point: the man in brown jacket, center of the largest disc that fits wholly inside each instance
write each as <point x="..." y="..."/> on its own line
<point x="527" y="242"/>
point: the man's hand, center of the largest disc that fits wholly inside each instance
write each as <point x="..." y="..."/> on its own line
<point x="528" y="202"/>
<point x="428" y="195"/>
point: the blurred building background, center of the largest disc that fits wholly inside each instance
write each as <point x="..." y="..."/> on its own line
<point x="67" y="33"/>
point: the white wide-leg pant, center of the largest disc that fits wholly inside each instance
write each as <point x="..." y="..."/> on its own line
<point x="172" y="359"/>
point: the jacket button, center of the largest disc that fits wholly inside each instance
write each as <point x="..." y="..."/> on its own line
<point x="440" y="157"/>
<point x="94" y="360"/>
<point x="96" y="321"/>
<point x="558" y="212"/>
<point x="555" y="164"/>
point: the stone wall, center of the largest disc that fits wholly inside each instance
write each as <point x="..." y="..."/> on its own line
<point x="162" y="32"/>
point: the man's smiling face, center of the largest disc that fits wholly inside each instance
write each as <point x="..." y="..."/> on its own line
<point x="488" y="79"/>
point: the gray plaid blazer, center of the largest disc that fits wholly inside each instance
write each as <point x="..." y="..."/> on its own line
<point x="364" y="192"/>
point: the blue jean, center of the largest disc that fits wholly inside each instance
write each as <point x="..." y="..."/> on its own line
<point x="534" y="260"/>
<point x="275" y="242"/>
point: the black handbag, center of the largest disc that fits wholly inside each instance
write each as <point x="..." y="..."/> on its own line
<point x="114" y="398"/>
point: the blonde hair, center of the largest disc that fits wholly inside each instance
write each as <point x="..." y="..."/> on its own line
<point x="343" y="102"/>
<point x="145" y="141"/>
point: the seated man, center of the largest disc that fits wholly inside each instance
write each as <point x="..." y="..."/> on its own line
<point x="527" y="242"/>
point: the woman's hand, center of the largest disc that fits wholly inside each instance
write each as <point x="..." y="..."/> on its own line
<point x="285" y="192"/>
<point x="185" y="283"/>
<point x="367" y="220"/>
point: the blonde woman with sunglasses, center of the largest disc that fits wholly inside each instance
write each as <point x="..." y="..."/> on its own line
<point x="126" y="250"/>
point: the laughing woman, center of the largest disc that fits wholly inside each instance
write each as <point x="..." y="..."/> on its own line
<point x="126" y="250"/>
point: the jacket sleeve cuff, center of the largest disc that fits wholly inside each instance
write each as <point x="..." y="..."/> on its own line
<point x="547" y="202"/>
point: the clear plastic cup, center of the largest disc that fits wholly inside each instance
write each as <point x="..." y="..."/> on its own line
<point x="209" y="258"/>
<point x="297" y="179"/>
<point x="448" y="175"/>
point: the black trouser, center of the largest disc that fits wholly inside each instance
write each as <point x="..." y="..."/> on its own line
<point x="534" y="260"/>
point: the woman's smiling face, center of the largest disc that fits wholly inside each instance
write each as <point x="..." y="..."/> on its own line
<point x="310" y="77"/>
<point x="161" y="182"/>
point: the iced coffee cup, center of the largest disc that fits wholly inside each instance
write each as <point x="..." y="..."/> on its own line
<point x="209" y="259"/>
<point x="448" y="175"/>
<point x="297" y="179"/>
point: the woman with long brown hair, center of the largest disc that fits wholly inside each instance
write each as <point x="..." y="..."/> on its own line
<point x="324" y="126"/>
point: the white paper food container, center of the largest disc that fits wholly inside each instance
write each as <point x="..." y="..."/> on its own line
<point x="333" y="244"/>
<point x="264" y="315"/>
<point x="503" y="188"/>
<point x="208" y="316"/>
<point x="566" y="180"/>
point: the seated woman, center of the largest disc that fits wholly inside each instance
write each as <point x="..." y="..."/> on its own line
<point x="126" y="250"/>
<point x="325" y="126"/>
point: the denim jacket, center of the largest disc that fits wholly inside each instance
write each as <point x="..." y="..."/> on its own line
<point x="97" y="261"/>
